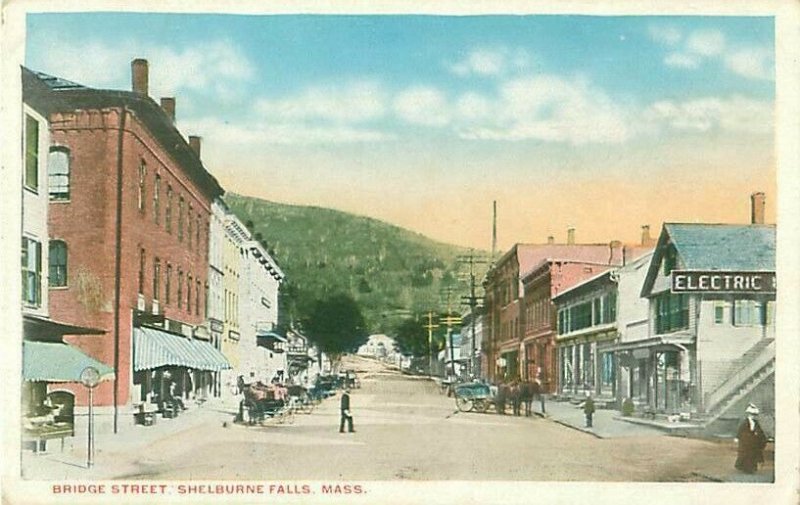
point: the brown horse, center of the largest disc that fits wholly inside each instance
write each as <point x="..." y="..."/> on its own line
<point x="527" y="392"/>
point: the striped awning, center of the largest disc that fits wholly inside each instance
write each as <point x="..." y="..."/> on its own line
<point x="58" y="362"/>
<point x="154" y="348"/>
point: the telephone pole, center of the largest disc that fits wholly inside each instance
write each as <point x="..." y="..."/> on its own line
<point x="430" y="327"/>
<point x="472" y="302"/>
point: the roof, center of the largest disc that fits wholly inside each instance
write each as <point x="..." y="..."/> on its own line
<point x="724" y="246"/>
<point x="70" y="96"/>
<point x="58" y="362"/>
<point x="39" y="328"/>
<point x="531" y="256"/>
<point x="595" y="278"/>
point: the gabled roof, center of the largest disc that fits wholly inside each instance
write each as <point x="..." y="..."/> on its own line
<point x="603" y="276"/>
<point x="724" y="247"/>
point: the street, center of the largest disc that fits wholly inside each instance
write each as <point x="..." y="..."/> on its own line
<point x="405" y="429"/>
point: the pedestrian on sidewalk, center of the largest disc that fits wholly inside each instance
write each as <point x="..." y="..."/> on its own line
<point x="588" y="409"/>
<point x="752" y="441"/>
<point x="346" y="413"/>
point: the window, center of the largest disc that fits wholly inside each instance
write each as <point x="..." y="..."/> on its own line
<point x="610" y="307"/>
<point x="168" y="211"/>
<point x="180" y="289"/>
<point x="58" y="173"/>
<point x="769" y="313"/>
<point x="205" y="305"/>
<point x="181" y="204"/>
<point x="597" y="311"/>
<point x="580" y="316"/>
<point x="31" y="153"/>
<point x="31" y="272"/>
<point x="58" y="264"/>
<point x="168" y="284"/>
<point x="748" y="313"/>
<point x="142" y="175"/>
<point x="189" y="227"/>
<point x="672" y="313"/>
<point x="189" y="294"/>
<point x="670" y="260"/>
<point x="719" y="312"/>
<point x="141" y="271"/>
<point x="156" y="203"/>
<point x="197" y="234"/>
<point x="198" y="289"/>
<point x="608" y="374"/>
<point x="156" y="279"/>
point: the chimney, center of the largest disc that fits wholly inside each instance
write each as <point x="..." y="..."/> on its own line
<point x="139" y="76"/>
<point x="194" y="143"/>
<point x="758" y="202"/>
<point x="646" y="239"/>
<point x="551" y="239"/>
<point x="616" y="253"/>
<point x="168" y="104"/>
<point x="570" y="236"/>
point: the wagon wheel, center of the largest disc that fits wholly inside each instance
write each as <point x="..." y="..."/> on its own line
<point x="481" y="405"/>
<point x="464" y="404"/>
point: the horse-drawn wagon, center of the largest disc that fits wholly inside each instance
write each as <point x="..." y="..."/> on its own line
<point x="473" y="397"/>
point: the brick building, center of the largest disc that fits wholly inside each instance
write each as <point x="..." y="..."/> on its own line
<point x="136" y="229"/>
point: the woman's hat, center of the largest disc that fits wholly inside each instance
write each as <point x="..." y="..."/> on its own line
<point x="751" y="409"/>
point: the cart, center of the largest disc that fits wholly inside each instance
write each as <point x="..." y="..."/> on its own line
<point x="473" y="397"/>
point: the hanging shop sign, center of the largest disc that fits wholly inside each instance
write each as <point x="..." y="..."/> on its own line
<point x="715" y="281"/>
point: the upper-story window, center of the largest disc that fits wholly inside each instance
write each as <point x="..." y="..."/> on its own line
<point x="180" y="288"/>
<point x="748" y="313"/>
<point x="198" y="290"/>
<point x="189" y="227"/>
<point x="31" y="153"/>
<point x="168" y="285"/>
<point x="156" y="279"/>
<point x="156" y="200"/>
<point x="168" y="210"/>
<point x="141" y="271"/>
<point x="58" y="173"/>
<point x="31" y="272"/>
<point x="189" y="294"/>
<point x="197" y="234"/>
<point x="672" y="312"/>
<point x="57" y="259"/>
<point x="142" y="176"/>
<point x="181" y="205"/>
<point x="670" y="260"/>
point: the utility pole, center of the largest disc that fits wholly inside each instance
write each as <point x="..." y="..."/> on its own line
<point x="450" y="320"/>
<point x="494" y="230"/>
<point x="472" y="302"/>
<point x="430" y="327"/>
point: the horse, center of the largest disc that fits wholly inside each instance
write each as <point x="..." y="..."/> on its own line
<point x="529" y="391"/>
<point x="515" y="392"/>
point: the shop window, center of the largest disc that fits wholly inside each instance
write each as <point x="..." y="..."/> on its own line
<point x="57" y="260"/>
<point x="31" y="153"/>
<point x="608" y="372"/>
<point x="58" y="173"/>
<point x="31" y="272"/>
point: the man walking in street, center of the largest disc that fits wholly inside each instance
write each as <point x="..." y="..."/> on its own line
<point x="752" y="441"/>
<point x="346" y="414"/>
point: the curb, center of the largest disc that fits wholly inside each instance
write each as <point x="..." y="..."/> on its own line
<point x="584" y="430"/>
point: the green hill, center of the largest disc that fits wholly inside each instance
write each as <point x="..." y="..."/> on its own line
<point x="390" y="271"/>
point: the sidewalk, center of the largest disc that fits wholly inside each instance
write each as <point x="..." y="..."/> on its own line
<point x="123" y="454"/>
<point x="603" y="426"/>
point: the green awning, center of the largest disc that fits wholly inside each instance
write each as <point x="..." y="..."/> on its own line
<point x="154" y="348"/>
<point x="57" y="362"/>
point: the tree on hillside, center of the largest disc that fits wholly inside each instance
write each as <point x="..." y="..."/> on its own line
<point x="336" y="326"/>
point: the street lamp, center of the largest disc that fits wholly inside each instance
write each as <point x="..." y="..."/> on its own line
<point x="90" y="377"/>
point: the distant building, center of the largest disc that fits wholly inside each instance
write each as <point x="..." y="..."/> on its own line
<point x="472" y="341"/>
<point x="378" y="346"/>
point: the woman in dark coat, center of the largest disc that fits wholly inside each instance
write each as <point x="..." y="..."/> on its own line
<point x="752" y="441"/>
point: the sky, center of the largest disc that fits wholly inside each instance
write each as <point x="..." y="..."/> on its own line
<point x="599" y="123"/>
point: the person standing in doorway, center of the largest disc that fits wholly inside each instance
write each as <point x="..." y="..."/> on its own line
<point x="588" y="409"/>
<point x="347" y="415"/>
<point x="752" y="441"/>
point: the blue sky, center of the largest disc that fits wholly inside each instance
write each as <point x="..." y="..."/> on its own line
<point x="402" y="117"/>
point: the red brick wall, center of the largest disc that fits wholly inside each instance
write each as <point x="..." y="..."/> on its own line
<point x="88" y="225"/>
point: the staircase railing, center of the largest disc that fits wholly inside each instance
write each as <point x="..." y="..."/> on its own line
<point x="738" y="378"/>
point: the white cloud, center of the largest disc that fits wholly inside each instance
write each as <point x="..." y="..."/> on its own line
<point x="491" y="62"/>
<point x="358" y="101"/>
<point x="422" y="105"/>
<point x="681" y="60"/>
<point x="553" y="109"/>
<point x="753" y="63"/>
<point x="706" y="43"/>
<point x="733" y="114"/>
<point x="665" y="34"/>
<point x="211" y="67"/>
